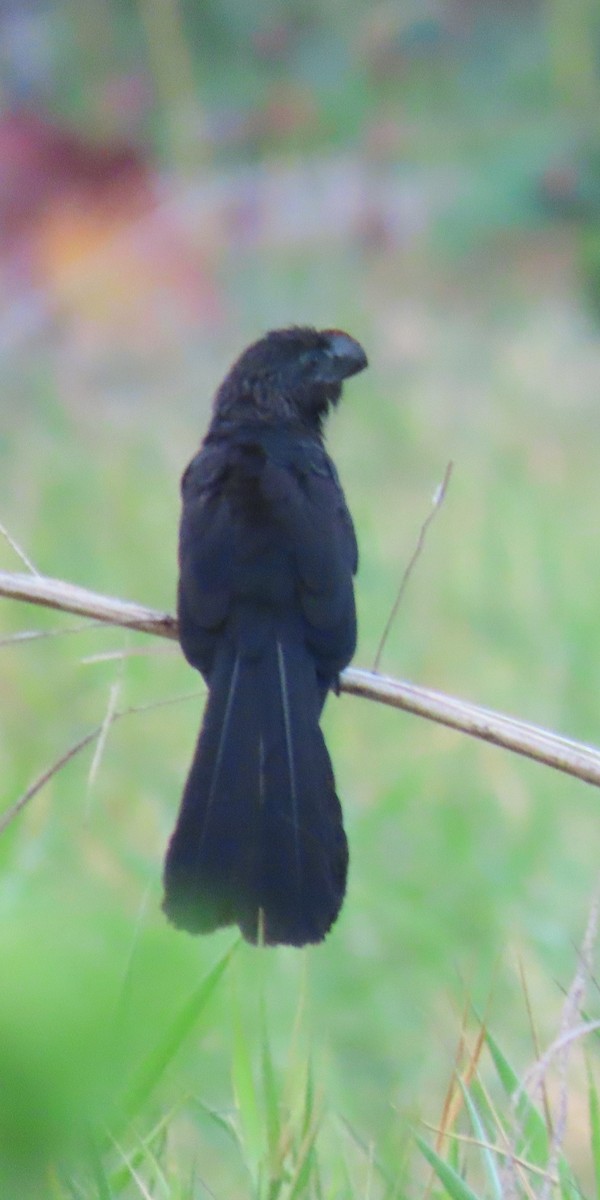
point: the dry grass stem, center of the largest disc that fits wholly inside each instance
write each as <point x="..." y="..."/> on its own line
<point x="436" y="503"/>
<point x="9" y="814"/>
<point x="571" y="1030"/>
<point x="102" y="736"/>
<point x="561" y="753"/>
<point x="13" y="811"/>
<point x="18" y="550"/>
<point x="501" y="1151"/>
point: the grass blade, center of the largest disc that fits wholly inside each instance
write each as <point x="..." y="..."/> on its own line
<point x="482" y="1135"/>
<point x="455" y="1186"/>
<point x="594" y="1111"/>
<point x="246" y="1096"/>
<point x="156" y="1063"/>
<point x="271" y="1097"/>
<point x="534" y="1134"/>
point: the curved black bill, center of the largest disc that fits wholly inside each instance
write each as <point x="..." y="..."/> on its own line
<point x="344" y="356"/>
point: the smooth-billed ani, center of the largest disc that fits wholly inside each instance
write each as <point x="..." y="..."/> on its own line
<point x="267" y="553"/>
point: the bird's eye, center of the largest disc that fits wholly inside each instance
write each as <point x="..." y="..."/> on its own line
<point x="307" y="358"/>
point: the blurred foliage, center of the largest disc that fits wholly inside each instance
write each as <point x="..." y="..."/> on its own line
<point x="426" y="176"/>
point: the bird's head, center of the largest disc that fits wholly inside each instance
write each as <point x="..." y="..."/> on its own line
<point x="291" y="375"/>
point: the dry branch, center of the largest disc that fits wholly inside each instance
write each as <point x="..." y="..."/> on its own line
<point x="541" y="745"/>
<point x="66" y="597"/>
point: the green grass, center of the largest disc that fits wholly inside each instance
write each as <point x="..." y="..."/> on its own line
<point x="138" y="1058"/>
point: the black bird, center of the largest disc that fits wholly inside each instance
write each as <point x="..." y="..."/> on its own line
<point x="267" y="553"/>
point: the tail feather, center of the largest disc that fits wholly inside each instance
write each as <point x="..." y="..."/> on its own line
<point x="259" y="840"/>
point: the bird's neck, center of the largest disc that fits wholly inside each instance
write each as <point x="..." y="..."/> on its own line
<point x="264" y="431"/>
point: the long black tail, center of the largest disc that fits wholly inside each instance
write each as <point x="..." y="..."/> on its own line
<point x="259" y="840"/>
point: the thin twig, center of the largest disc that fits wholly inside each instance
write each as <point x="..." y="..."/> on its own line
<point x="467" y="1140"/>
<point x="90" y="660"/>
<point x="10" y="813"/>
<point x="35" y="635"/>
<point x="102" y="736"/>
<point x="436" y="503"/>
<point x="13" y="811"/>
<point x="536" y="1045"/>
<point x="569" y="1032"/>
<point x="565" y="1039"/>
<point x="18" y="550"/>
<point x="572" y="1030"/>
<point x="562" y="754"/>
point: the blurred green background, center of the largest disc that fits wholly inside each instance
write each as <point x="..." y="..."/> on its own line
<point x="176" y="178"/>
